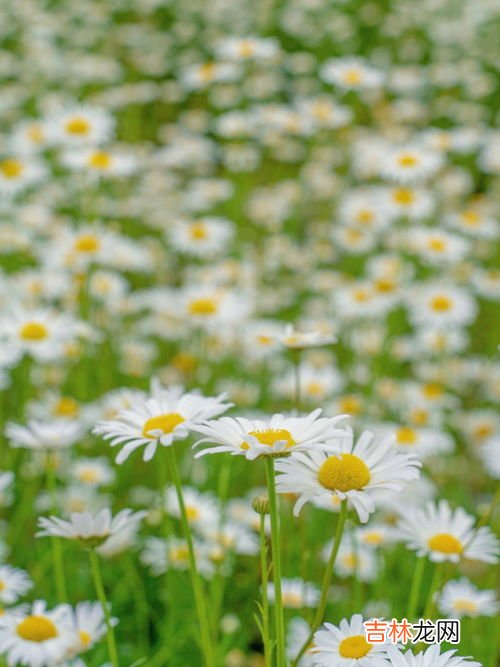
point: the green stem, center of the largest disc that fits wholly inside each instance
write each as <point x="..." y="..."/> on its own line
<point x="276" y="560"/>
<point x="296" y="376"/>
<point x="436" y="579"/>
<point x="265" y="602"/>
<point x="57" y="551"/>
<point x="99" y="587"/>
<point x="206" y="641"/>
<point x="327" y="578"/>
<point x="416" y="585"/>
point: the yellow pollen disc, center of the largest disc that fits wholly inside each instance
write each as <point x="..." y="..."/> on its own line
<point x="403" y="196"/>
<point x="179" y="554"/>
<point x="353" y="235"/>
<point x="100" y="160"/>
<point x="466" y="606"/>
<point x="354" y="647"/>
<point x="352" y="77"/>
<point x="2" y="586"/>
<point x="441" y="303"/>
<point x="432" y="390"/>
<point x="365" y="216"/>
<point x="264" y="340"/>
<point x="66" y="407"/>
<point x="88" y="476"/>
<point x="407" y="160"/>
<point x="360" y="295"/>
<point x="438" y="245"/>
<point x="246" y="49"/>
<point x="192" y="513"/>
<point x="35" y="134"/>
<point x="350" y="404"/>
<point x="85" y="638"/>
<point x="384" y="285"/>
<point x="292" y="600"/>
<point x="36" y="629"/>
<point x="33" y="331"/>
<point x="406" y="436"/>
<point x="78" y="126"/>
<point x="203" y="307"/>
<point x="207" y="72"/>
<point x="198" y="232"/>
<point x="321" y="110"/>
<point x="483" y="430"/>
<point x="314" y="388"/>
<point x="270" y="436"/>
<point x="347" y="473"/>
<point x="87" y="243"/>
<point x="165" y="423"/>
<point x="374" y="538"/>
<point x="471" y="218"/>
<point x="445" y="544"/>
<point x="11" y="168"/>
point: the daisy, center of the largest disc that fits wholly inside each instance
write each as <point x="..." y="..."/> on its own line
<point x="36" y="637"/>
<point x="299" y="340"/>
<point x="489" y="453"/>
<point x="424" y="442"/>
<point x="278" y="435"/>
<point x="441" y="305"/>
<point x="296" y="593"/>
<point x="204" y="74"/>
<point x="92" y="472"/>
<point x="89" y="627"/>
<point x="13" y="584"/>
<point x="19" y="173"/>
<point x="444" y="534"/>
<point x="80" y="126"/>
<point x="204" y="237"/>
<point x="201" y="508"/>
<point x="90" y="530"/>
<point x="351" y="74"/>
<point x="461" y="598"/>
<point x="357" y="473"/>
<point x="345" y="646"/>
<point x="100" y="162"/>
<point x="247" y="48"/>
<point x="436" y="246"/>
<point x="410" y="164"/>
<point x="52" y="435"/>
<point x="298" y="633"/>
<point x="354" y="559"/>
<point x="161" y="555"/>
<point x="431" y="657"/>
<point x="159" y="421"/>
<point x="408" y="202"/>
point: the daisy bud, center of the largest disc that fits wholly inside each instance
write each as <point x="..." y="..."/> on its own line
<point x="261" y="504"/>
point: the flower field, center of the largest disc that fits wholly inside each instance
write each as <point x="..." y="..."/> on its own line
<point x="249" y="333"/>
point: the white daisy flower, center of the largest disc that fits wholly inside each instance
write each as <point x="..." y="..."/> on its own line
<point x="489" y="453"/>
<point x="92" y="472"/>
<point x="444" y="534"/>
<point x="298" y="340"/>
<point x="81" y="126"/>
<point x="90" y="530"/>
<point x="37" y="637"/>
<point x="410" y="164"/>
<point x="161" y="555"/>
<point x="159" y="421"/>
<point x="13" y="583"/>
<point x="18" y="173"/>
<point x="353" y="558"/>
<point x="351" y="74"/>
<point x="278" y="435"/>
<point x="345" y="645"/>
<point x="39" y="435"/>
<point x="89" y="626"/>
<point x="461" y="598"/>
<point x="423" y="442"/>
<point x="441" y="306"/>
<point x="298" y="633"/>
<point x="295" y="593"/>
<point x="201" y="508"/>
<point x="247" y="48"/>
<point x="358" y="473"/>
<point x="100" y="162"/>
<point x="431" y="657"/>
<point x="204" y="237"/>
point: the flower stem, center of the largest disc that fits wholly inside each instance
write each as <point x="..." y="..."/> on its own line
<point x="265" y="603"/>
<point x="99" y="587"/>
<point x="296" y="377"/>
<point x="327" y="578"/>
<point x="276" y="560"/>
<point x="416" y="584"/>
<point x="57" y="554"/>
<point x="201" y="609"/>
<point x="436" y="579"/>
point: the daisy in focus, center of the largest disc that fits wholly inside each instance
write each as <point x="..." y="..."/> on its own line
<point x="430" y="657"/>
<point x="345" y="645"/>
<point x="278" y="435"/>
<point x="356" y="472"/>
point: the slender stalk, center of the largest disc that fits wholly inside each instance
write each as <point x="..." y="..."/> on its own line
<point x="201" y="609"/>
<point x="436" y="579"/>
<point x="296" y="377"/>
<point x="327" y="578"/>
<point x="276" y="560"/>
<point x="99" y="587"/>
<point x="416" y="584"/>
<point x="265" y="602"/>
<point x="57" y="552"/>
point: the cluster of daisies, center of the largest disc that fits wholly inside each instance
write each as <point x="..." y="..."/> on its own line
<point x="178" y="183"/>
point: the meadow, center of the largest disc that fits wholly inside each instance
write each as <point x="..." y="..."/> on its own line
<point x="249" y="332"/>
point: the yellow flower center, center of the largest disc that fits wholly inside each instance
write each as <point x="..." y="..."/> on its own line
<point x="437" y="244"/>
<point x="100" y="160"/>
<point x="352" y="77"/>
<point x="361" y="296"/>
<point x="471" y="218"/>
<point x="85" y="638"/>
<point x="66" y="407"/>
<point x="78" y="126"/>
<point x="207" y="72"/>
<point x="292" y="599"/>
<point x="193" y="513"/>
<point x="374" y="538"/>
<point x="354" y="647"/>
<point x="407" y="160"/>
<point x="406" y="436"/>
<point x="270" y="436"/>
<point x="165" y="423"/>
<point x="483" y="430"/>
<point x="350" y="404"/>
<point x="33" y="331"/>
<point x="445" y="544"/>
<point x="11" y="168"/>
<point x="419" y="416"/>
<point x="345" y="473"/>
<point x="441" y="303"/>
<point x="365" y="216"/>
<point x="36" y="629"/>
<point x="2" y="586"/>
<point x="179" y="554"/>
<point x="35" y="134"/>
<point x="246" y="49"/>
<point x="466" y="606"/>
<point x="87" y="243"/>
<point x="264" y="340"/>
<point x="432" y="390"/>
<point x="315" y="388"/>
<point x="198" y="231"/>
<point x="203" y="307"/>
<point x="403" y="196"/>
<point x="384" y="285"/>
<point x="88" y="475"/>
